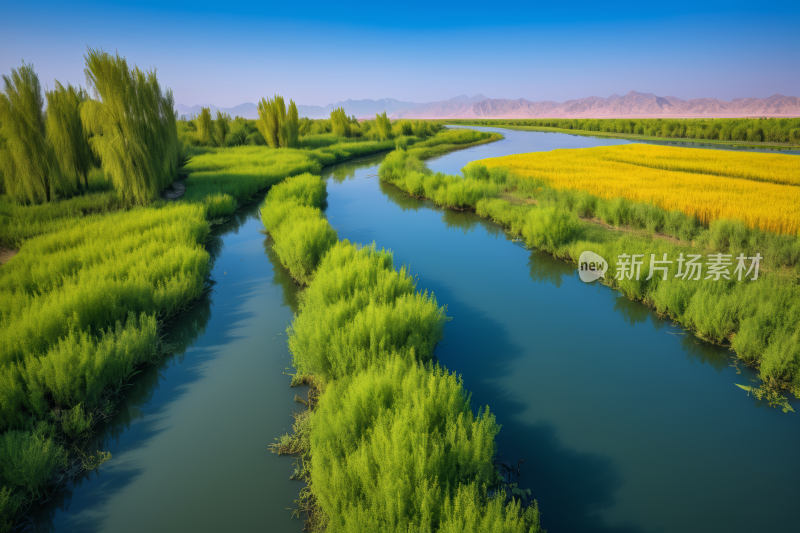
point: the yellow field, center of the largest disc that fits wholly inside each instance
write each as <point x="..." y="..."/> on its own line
<point x="762" y="190"/>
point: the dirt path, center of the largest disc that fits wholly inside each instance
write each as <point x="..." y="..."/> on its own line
<point x="174" y="191"/>
<point x="6" y="254"/>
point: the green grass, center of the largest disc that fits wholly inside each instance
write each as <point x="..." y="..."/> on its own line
<point x="360" y="311"/>
<point x="21" y="222"/>
<point x="73" y="298"/>
<point x="300" y="232"/>
<point x="398" y="448"/>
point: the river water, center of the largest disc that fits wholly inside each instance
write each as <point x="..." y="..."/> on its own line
<point x="626" y="422"/>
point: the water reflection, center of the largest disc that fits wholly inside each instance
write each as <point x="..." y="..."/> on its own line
<point x="466" y="222"/>
<point x="399" y="198"/>
<point x="282" y="278"/>
<point x="631" y="311"/>
<point x="717" y="357"/>
<point x="181" y="334"/>
<point x="347" y="170"/>
<point x="544" y="268"/>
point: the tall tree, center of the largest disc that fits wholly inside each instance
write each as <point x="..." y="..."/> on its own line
<point x="27" y="161"/>
<point x="340" y="124"/>
<point x="383" y="126"/>
<point x="271" y="115"/>
<point x="65" y="132"/>
<point x="205" y="126"/>
<point x="291" y="126"/>
<point x="223" y="124"/>
<point x="133" y="126"/>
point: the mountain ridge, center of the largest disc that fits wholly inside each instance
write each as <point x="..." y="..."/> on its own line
<point x="632" y="104"/>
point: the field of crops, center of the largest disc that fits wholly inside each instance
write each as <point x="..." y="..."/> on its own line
<point x="761" y="190"/>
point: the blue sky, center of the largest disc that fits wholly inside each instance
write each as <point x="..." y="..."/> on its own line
<point x="227" y="53"/>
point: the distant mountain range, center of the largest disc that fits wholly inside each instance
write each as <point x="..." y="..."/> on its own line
<point x="633" y="104"/>
<point x="615" y="106"/>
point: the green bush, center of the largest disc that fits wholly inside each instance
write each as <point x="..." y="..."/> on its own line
<point x="302" y="240"/>
<point x="75" y="422"/>
<point x="9" y="507"/>
<point x="301" y="233"/>
<point x="549" y="228"/>
<point x="398" y="448"/>
<point x="407" y="172"/>
<point x="359" y="311"/>
<point x="28" y="460"/>
<point x="305" y="189"/>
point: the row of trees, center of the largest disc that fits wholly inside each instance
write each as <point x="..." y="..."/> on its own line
<point x="129" y="128"/>
<point x="281" y="127"/>
<point x="779" y="130"/>
<point x="41" y="154"/>
<point x="211" y="131"/>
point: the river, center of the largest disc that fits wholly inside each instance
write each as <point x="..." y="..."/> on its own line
<point x="626" y="422"/>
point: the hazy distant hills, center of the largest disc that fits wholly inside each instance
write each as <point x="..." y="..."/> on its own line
<point x="247" y="110"/>
<point x="615" y="106"/>
<point x="633" y="104"/>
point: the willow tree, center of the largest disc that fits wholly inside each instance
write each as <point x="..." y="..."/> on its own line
<point x="29" y="168"/>
<point x="290" y="129"/>
<point x="383" y="126"/>
<point x="271" y="115"/>
<point x="65" y="132"/>
<point x="205" y="126"/>
<point x="223" y="125"/>
<point x="132" y="125"/>
<point x="340" y="124"/>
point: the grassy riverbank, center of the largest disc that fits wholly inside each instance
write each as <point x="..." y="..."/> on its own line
<point x="364" y="338"/>
<point x="773" y="133"/>
<point x="86" y="298"/>
<point x="759" y="319"/>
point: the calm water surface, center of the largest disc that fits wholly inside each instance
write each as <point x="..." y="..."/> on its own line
<point x="625" y="422"/>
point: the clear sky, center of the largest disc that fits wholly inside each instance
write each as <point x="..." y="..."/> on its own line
<point x="227" y="53"/>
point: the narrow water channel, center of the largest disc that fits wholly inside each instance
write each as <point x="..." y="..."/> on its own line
<point x="626" y="423"/>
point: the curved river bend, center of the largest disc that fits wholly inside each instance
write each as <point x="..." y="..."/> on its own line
<point x="626" y="423"/>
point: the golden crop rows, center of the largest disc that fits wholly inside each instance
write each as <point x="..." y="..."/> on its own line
<point x="762" y="190"/>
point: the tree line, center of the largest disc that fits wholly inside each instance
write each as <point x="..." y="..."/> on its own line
<point x="126" y="126"/>
<point x="279" y="126"/>
<point x="777" y="130"/>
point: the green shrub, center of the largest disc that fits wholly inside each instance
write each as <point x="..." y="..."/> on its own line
<point x="75" y="422"/>
<point x="369" y="430"/>
<point x="9" y="507"/>
<point x="549" y="228"/>
<point x="302" y="241"/>
<point x="305" y="189"/>
<point x="358" y="311"/>
<point x="28" y="459"/>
